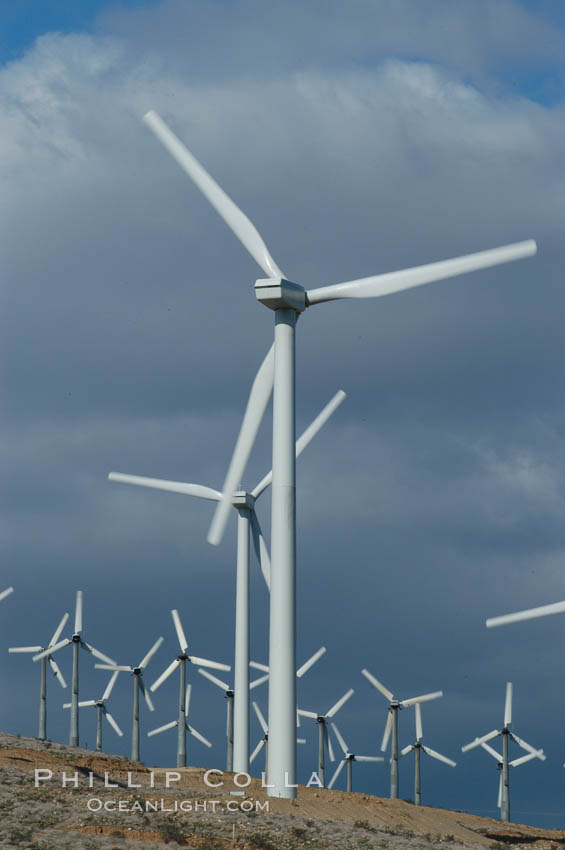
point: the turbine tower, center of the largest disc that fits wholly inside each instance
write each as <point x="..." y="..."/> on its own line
<point x="288" y="300"/>
<point x="502" y="760"/>
<point x="419" y="747"/>
<point x="138" y="685"/>
<point x="244" y="502"/>
<point x="264" y="742"/>
<point x="102" y="711"/>
<point x="348" y="759"/>
<point x="323" y="737"/>
<point x="76" y="640"/>
<point x="392" y="724"/>
<point x="43" y="675"/>
<point x="182" y="721"/>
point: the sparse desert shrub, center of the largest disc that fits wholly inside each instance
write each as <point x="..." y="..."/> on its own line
<point x="260" y="841"/>
<point x="171" y="831"/>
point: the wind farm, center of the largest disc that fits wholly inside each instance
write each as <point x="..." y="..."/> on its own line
<point x="196" y="261"/>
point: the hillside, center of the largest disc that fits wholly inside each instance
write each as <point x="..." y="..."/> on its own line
<point x="52" y="817"/>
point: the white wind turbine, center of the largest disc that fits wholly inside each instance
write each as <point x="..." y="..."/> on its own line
<point x="138" y="685"/>
<point x="244" y="502"/>
<point x="76" y="640"/>
<point x="102" y="711"/>
<point x="264" y="742"/>
<point x="392" y="724"/>
<point x="43" y="676"/>
<point x="182" y="724"/>
<point x="418" y="746"/>
<point x="502" y="760"/>
<point x="288" y="300"/>
<point x="323" y="737"/>
<point x="180" y="662"/>
<point x="348" y="759"/>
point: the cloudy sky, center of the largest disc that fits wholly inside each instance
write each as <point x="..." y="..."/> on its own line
<point x="360" y="138"/>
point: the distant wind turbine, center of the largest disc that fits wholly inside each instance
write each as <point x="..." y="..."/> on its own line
<point x="43" y="675"/>
<point x="418" y="747"/>
<point x="76" y="640"/>
<point x="502" y="760"/>
<point x="182" y="721"/>
<point x="348" y="760"/>
<point x="102" y="711"/>
<point x="323" y="737"/>
<point x="392" y="724"/>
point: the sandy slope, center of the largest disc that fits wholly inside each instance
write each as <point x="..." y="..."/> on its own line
<point x="52" y="816"/>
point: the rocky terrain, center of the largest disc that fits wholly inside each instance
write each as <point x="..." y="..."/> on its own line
<point x="117" y="804"/>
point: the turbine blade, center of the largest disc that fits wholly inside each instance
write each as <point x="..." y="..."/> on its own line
<point x="205" y="662"/>
<point x="187" y="696"/>
<point x="386" y="284"/>
<point x="6" y="592"/>
<point x="261" y="550"/>
<point x="185" y="489"/>
<point x="406" y="750"/>
<point x="423" y="698"/>
<point x="25" y="649"/>
<point x="256" y="406"/>
<point x="335" y="708"/>
<point x="235" y="219"/>
<point x="122" y="668"/>
<point x="110" y="685"/>
<point x="499" y="801"/>
<point x="257" y="666"/>
<point x="51" y="649"/>
<point x="508" y="705"/>
<point x="260" y="717"/>
<point x="386" y="734"/>
<point x="375" y="682"/>
<point x="333" y="780"/>
<point x="438" y="756"/>
<point x="180" y="631"/>
<point x="196" y="734"/>
<point x="259" y="681"/>
<point x="492" y="752"/>
<point x="147" y="658"/>
<point x="340" y="739"/>
<point x="419" y="732"/>
<point x="162" y="728"/>
<point x="58" y="630"/>
<point x="523" y="759"/>
<point x="528" y="614"/>
<point x="368" y="758"/>
<point x="222" y="685"/>
<point x="257" y="750"/>
<point x="164" y="675"/>
<point x="78" y="613"/>
<point x="311" y="661"/>
<point x="330" y="746"/>
<point x="306" y="437"/>
<point x="145" y="693"/>
<point x="525" y="745"/>
<point x="55" y="667"/>
<point x="478" y="741"/>
<point x="86" y="703"/>
<point x="113" y="723"/>
<point x="97" y="653"/>
<point x="304" y="713"/>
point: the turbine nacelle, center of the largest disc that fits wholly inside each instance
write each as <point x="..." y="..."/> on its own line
<point x="242" y="499"/>
<point x="279" y="293"/>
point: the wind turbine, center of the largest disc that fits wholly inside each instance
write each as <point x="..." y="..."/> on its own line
<point x="392" y="724"/>
<point x="348" y="759"/>
<point x="76" y="640"/>
<point x="43" y="676"/>
<point x="102" y="711"/>
<point x="138" y="685"/>
<point x="264" y="742"/>
<point x="244" y="502"/>
<point x="180" y="662"/>
<point x="323" y="737"/>
<point x="502" y="760"/>
<point x="182" y="721"/>
<point x="418" y="746"/>
<point x="288" y="300"/>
